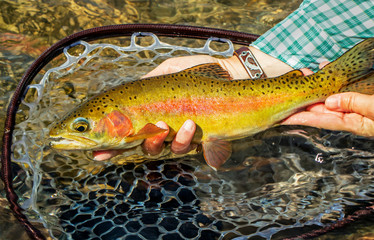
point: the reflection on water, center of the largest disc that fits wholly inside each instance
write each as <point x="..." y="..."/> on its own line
<point x="29" y="27"/>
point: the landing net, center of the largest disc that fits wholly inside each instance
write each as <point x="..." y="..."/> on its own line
<point x="279" y="183"/>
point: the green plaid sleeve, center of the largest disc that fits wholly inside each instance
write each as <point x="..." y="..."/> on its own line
<point x="319" y="30"/>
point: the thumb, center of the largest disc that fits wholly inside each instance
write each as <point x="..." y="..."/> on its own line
<point x="352" y="102"/>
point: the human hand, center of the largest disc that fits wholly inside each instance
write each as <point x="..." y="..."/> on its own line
<point x="352" y="112"/>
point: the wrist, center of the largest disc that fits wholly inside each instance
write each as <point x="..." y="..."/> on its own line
<point x="271" y="66"/>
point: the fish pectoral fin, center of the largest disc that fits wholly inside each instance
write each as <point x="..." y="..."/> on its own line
<point x="216" y="152"/>
<point x="149" y="130"/>
<point x="210" y="70"/>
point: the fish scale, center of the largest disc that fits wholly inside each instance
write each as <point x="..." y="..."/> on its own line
<point x="223" y="109"/>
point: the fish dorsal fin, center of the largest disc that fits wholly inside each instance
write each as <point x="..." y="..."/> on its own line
<point x="216" y="152"/>
<point x="149" y="130"/>
<point x="209" y="70"/>
<point x="365" y="86"/>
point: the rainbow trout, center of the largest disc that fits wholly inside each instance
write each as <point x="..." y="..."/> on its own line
<point x="223" y="109"/>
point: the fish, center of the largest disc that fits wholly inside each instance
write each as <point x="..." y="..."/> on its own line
<point x="223" y="109"/>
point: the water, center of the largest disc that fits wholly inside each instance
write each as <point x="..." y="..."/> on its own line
<point x="29" y="27"/>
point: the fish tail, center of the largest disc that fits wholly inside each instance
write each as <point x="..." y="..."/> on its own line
<point x="355" y="68"/>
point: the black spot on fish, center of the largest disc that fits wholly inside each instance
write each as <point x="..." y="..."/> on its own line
<point x="98" y="108"/>
<point x="91" y="110"/>
<point x="134" y="97"/>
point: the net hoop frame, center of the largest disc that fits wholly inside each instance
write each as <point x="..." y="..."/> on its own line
<point x="167" y="30"/>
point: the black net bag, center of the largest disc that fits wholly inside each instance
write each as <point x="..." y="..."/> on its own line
<point x="280" y="183"/>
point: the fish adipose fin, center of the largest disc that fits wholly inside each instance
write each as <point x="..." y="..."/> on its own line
<point x="209" y="70"/>
<point x="216" y="152"/>
<point x="291" y="74"/>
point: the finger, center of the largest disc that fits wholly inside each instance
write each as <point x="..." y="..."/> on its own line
<point x="317" y="119"/>
<point x="306" y="71"/>
<point x="182" y="141"/>
<point x="323" y="64"/>
<point x="105" y="154"/>
<point x="321" y="108"/>
<point x="352" y="102"/>
<point x="154" y="145"/>
<point x="350" y="122"/>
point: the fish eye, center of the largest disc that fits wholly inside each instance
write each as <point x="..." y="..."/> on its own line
<point x="81" y="125"/>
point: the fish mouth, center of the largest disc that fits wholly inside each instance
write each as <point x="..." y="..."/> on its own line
<point x="72" y="143"/>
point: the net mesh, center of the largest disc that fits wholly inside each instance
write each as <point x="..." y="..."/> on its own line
<point x="277" y="183"/>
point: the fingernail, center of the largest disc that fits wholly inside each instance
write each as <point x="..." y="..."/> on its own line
<point x="333" y="102"/>
<point x="101" y="157"/>
<point x="188" y="125"/>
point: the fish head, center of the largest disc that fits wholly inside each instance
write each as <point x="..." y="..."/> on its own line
<point x="88" y="129"/>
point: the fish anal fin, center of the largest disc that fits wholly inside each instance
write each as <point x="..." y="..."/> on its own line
<point x="216" y="152"/>
<point x="365" y="86"/>
<point x="209" y="70"/>
<point x="149" y="130"/>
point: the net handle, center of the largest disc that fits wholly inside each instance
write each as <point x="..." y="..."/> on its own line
<point x="56" y="49"/>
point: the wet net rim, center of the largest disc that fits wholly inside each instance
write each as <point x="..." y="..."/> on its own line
<point x="56" y="49"/>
